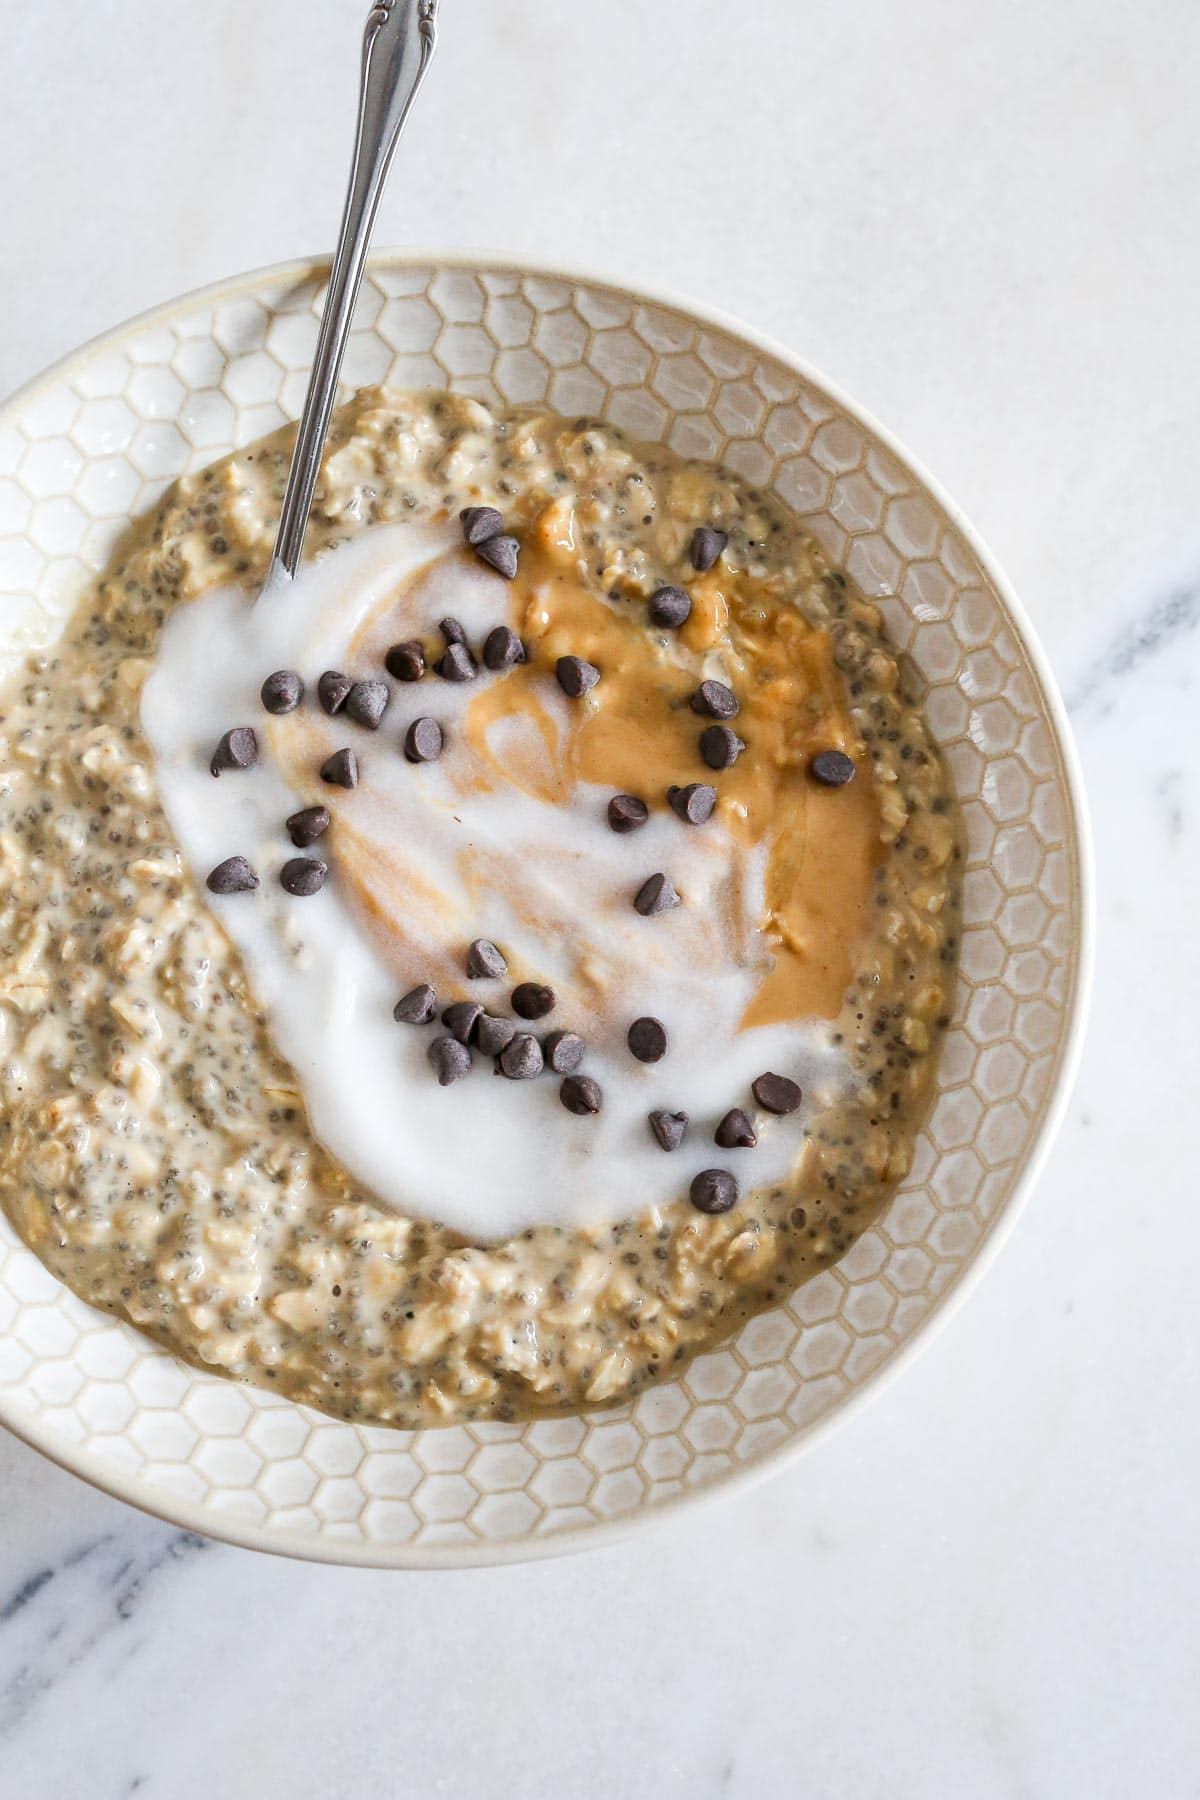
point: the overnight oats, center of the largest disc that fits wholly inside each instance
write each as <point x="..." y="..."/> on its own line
<point x="472" y="978"/>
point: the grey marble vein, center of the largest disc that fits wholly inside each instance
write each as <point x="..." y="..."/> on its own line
<point x="17" y="1601"/>
<point x="57" y="1616"/>
<point x="1172" y="617"/>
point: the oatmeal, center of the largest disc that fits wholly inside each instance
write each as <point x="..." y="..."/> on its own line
<point x="656" y="752"/>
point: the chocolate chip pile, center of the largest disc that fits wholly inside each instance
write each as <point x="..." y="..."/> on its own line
<point x="470" y="1028"/>
<point x="519" y="1055"/>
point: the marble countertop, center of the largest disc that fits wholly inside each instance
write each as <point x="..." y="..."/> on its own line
<point x="982" y="222"/>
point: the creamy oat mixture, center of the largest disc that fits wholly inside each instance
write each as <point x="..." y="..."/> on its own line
<point x="154" y="1145"/>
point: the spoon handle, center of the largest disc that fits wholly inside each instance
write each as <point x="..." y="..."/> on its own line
<point x="398" y="44"/>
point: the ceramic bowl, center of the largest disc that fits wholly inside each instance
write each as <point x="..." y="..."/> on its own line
<point x="100" y="436"/>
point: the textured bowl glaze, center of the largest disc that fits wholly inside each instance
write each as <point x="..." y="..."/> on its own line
<point x="100" y="436"/>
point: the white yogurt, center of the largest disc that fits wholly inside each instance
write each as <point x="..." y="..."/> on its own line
<point x="438" y="863"/>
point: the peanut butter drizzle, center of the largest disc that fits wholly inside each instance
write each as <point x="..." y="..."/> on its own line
<point x="636" y="732"/>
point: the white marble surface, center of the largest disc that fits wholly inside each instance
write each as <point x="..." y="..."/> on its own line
<point x="983" y="221"/>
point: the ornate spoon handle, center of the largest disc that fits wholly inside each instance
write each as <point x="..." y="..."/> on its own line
<point x="398" y="44"/>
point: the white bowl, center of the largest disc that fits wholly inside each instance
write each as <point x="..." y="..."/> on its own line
<point x="101" y="435"/>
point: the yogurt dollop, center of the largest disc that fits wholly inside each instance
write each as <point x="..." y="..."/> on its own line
<point x="424" y="859"/>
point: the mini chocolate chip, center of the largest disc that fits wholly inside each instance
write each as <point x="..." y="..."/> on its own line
<point x="707" y="545"/>
<point x="532" y="1001"/>
<point x="406" y="661"/>
<point x="627" y="813"/>
<point x="693" y="803"/>
<point x="367" y="702"/>
<point x="282" y="692"/>
<point x="720" y="746"/>
<point x="238" y="749"/>
<point x="775" y="1093"/>
<point x="451" y="1059"/>
<point x="521" y="1058"/>
<point x="735" y="1132"/>
<point x="480" y="523"/>
<point x="501" y="554"/>
<point x="493" y="1034"/>
<point x="832" y="768"/>
<point x="575" y="677"/>
<point x="483" y="959"/>
<point x="669" y="607"/>
<point x="581" y="1095"/>
<point x="656" y="895"/>
<point x="714" y="1191"/>
<point x="340" y="769"/>
<point x="303" y="875"/>
<point x="307" y="825"/>
<point x="417" y="1007"/>
<point x="452" y="632"/>
<point x="332" y="689"/>
<point x="233" y="876"/>
<point x="669" y="1128"/>
<point x="423" y="741"/>
<point x="715" y="699"/>
<point x="456" y="664"/>
<point x="461" y="1018"/>
<point x="647" y="1040"/>
<point x="502" y="648"/>
<point x="563" y="1051"/>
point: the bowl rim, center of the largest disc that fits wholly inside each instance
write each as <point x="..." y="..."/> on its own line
<point x="205" y="1521"/>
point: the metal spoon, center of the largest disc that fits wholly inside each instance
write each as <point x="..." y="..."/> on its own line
<point x="398" y="45"/>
